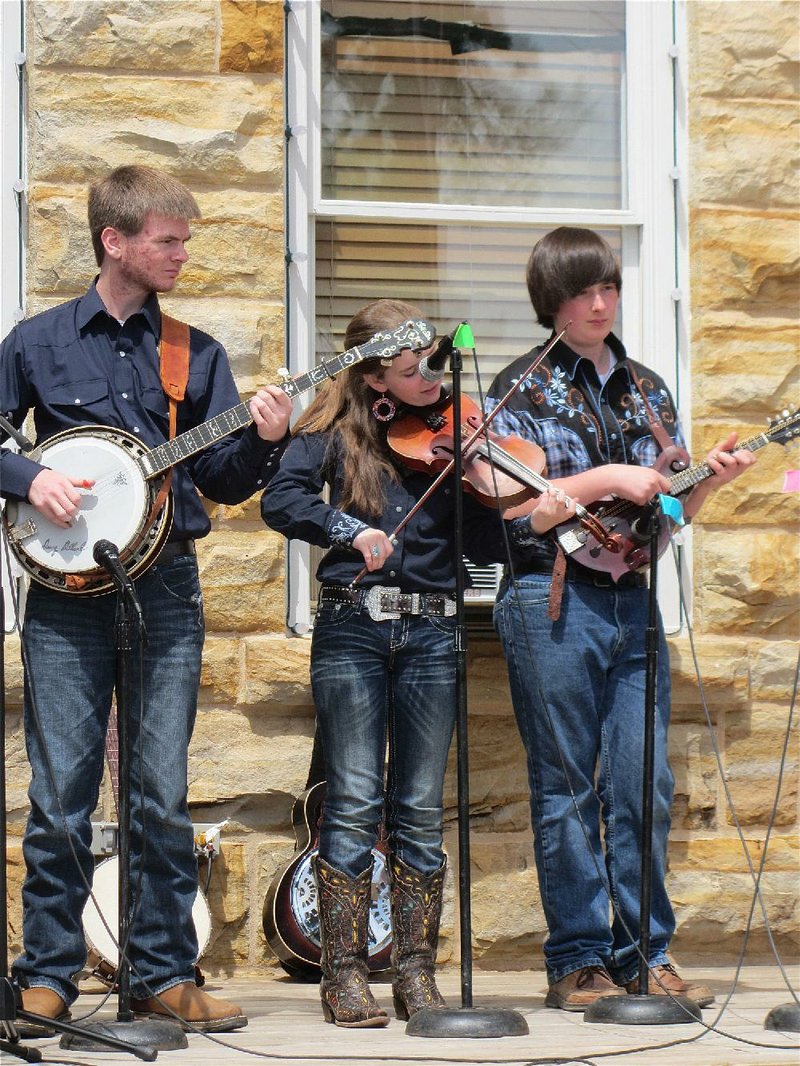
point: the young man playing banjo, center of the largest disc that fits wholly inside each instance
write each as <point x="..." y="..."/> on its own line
<point x="95" y="361"/>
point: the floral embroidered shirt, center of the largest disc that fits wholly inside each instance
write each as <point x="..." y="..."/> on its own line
<point x="579" y="422"/>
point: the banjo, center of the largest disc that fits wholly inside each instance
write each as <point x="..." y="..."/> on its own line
<point x="127" y="478"/>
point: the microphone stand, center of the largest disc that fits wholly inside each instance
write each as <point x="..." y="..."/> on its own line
<point x="644" y="1008"/>
<point x="11" y="1008"/>
<point x="150" y="1032"/>
<point x="466" y="1021"/>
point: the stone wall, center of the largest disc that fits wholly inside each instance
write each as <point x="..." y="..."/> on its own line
<point x="196" y="88"/>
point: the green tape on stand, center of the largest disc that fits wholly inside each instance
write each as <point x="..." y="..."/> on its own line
<point x="464" y="337"/>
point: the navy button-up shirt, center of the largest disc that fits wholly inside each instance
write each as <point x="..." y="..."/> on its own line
<point x="75" y="365"/>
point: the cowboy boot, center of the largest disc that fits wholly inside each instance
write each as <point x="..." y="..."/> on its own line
<point x="343" y="921"/>
<point x="416" y="902"/>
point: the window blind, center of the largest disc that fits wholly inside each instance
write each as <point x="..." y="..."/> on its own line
<point x="474" y="103"/>
<point x="451" y="272"/>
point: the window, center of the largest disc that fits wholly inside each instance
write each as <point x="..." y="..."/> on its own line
<point x="431" y="144"/>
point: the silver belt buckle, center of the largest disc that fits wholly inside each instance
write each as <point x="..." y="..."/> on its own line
<point x="449" y="606"/>
<point x="372" y="602"/>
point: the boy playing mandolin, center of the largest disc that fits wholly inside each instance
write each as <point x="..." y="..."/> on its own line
<point x="574" y="638"/>
<point x="94" y="361"/>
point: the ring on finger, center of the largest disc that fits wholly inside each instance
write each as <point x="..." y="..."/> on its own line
<point x="375" y="550"/>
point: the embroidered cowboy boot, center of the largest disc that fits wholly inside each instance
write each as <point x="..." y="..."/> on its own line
<point x="343" y="922"/>
<point x="416" y="903"/>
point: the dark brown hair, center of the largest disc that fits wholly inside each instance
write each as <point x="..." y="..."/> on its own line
<point x="344" y="404"/>
<point x="562" y="264"/>
<point x="125" y="197"/>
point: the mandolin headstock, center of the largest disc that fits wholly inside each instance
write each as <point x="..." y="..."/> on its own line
<point x="784" y="427"/>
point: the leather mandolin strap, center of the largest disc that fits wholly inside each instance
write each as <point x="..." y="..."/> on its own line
<point x="661" y="436"/>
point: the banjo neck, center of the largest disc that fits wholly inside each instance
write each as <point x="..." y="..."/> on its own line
<point x="415" y="334"/>
<point x="161" y="458"/>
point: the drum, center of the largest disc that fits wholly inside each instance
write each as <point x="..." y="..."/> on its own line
<point x="106" y="891"/>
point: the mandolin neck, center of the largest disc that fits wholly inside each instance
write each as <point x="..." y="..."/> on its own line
<point x="685" y="480"/>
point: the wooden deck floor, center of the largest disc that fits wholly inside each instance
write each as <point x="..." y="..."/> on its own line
<point x="286" y="1026"/>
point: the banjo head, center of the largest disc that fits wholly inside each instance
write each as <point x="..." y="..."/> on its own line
<point x="115" y="508"/>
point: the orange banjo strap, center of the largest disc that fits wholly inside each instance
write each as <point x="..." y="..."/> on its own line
<point x="173" y="352"/>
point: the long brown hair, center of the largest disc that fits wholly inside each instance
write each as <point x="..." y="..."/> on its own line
<point x="344" y="405"/>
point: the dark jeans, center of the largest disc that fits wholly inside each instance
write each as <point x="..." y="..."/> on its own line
<point x="70" y="646"/>
<point x="371" y="680"/>
<point x="578" y="691"/>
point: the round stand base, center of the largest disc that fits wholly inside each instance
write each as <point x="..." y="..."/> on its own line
<point x="148" y="1032"/>
<point x="467" y="1022"/>
<point x="643" y="1010"/>
<point x="785" y="1019"/>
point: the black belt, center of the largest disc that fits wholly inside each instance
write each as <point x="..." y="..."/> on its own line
<point x="383" y="603"/>
<point x="635" y="579"/>
<point x="172" y="549"/>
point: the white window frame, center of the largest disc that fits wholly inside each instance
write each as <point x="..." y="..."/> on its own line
<point x="12" y="132"/>
<point x="12" y="232"/>
<point x="654" y="224"/>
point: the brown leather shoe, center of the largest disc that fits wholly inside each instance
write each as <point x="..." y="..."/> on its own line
<point x="195" y="1009"/>
<point x="672" y="982"/>
<point x="580" y="988"/>
<point x="46" y="1003"/>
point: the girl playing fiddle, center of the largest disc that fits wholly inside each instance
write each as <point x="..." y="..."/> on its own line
<point x="382" y="660"/>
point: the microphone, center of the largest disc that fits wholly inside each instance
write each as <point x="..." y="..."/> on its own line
<point x="431" y="368"/>
<point x="106" y="555"/>
<point x="640" y="526"/>
<point x="20" y="438"/>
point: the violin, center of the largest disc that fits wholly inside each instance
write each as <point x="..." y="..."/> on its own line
<point x="503" y="472"/>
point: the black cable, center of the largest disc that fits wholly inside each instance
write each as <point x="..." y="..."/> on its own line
<point x="122" y="949"/>
<point x="756" y="877"/>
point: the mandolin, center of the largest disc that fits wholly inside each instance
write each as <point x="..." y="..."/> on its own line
<point x="290" y="917"/>
<point x="631" y="548"/>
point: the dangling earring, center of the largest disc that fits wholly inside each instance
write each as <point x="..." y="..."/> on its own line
<point x="384" y="409"/>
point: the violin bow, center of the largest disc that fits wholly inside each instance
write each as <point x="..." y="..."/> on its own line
<point x="595" y="526"/>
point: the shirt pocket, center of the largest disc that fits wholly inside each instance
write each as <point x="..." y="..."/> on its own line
<point x="89" y="395"/>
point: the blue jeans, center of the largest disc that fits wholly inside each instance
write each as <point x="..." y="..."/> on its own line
<point x="374" y="681"/>
<point x="69" y="643"/>
<point x="578" y="687"/>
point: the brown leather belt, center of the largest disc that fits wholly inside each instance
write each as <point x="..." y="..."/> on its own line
<point x="636" y="579"/>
